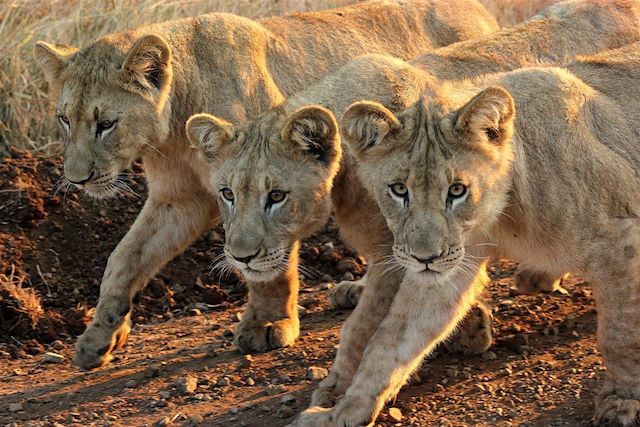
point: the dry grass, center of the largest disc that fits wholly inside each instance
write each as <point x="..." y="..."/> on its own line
<point x="20" y="299"/>
<point x="26" y="111"/>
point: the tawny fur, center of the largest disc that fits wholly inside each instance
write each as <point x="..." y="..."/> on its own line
<point x="153" y="78"/>
<point x="550" y="161"/>
<point x="255" y="153"/>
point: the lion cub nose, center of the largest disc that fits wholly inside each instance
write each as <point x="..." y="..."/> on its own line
<point x="427" y="260"/>
<point x="83" y="181"/>
<point x="245" y="259"/>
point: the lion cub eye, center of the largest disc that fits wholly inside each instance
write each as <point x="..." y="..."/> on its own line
<point x="399" y="189"/>
<point x="277" y="196"/>
<point x="227" y="194"/>
<point x="457" y="190"/>
<point x="104" y="126"/>
<point x="63" y="120"/>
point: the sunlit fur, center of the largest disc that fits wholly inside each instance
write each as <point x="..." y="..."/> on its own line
<point x="552" y="164"/>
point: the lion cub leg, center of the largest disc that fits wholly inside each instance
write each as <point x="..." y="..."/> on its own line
<point x="532" y="282"/>
<point x="617" y="294"/>
<point x="372" y="308"/>
<point x="158" y="234"/>
<point x="421" y="315"/>
<point x="347" y="293"/>
<point x="271" y="318"/>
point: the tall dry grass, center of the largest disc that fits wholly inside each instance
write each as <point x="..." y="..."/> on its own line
<point x="26" y="107"/>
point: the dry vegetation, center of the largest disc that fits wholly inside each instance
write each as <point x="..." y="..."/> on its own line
<point x="26" y="118"/>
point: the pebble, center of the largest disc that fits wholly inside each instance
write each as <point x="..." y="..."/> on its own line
<point x="57" y="345"/>
<point x="250" y="381"/>
<point x="195" y="420"/>
<point x="227" y="333"/>
<point x="131" y="384"/>
<point x="236" y="317"/>
<point x="195" y="312"/>
<point x="152" y="371"/>
<point x="187" y="384"/>
<point x="287" y="398"/>
<point x="165" y="394"/>
<point x="51" y="357"/>
<point x="315" y="373"/>
<point x="395" y="414"/>
<point x="244" y="363"/>
<point x="285" y="411"/>
<point x="15" y="407"/>
<point x="224" y="382"/>
<point x="284" y="378"/>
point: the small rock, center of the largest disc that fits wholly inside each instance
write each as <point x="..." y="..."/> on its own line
<point x="187" y="384"/>
<point x="250" y="381"/>
<point x="57" y="345"/>
<point x="302" y="311"/>
<point x="315" y="373"/>
<point x="15" y="407"/>
<point x="285" y="411"/>
<point x="195" y="420"/>
<point x="51" y="357"/>
<point x="236" y="317"/>
<point x="225" y="381"/>
<point x="131" y="384"/>
<point x="165" y="394"/>
<point x="395" y="414"/>
<point x="452" y="372"/>
<point x="287" y="398"/>
<point x="489" y="355"/>
<point x="195" y="312"/>
<point x="244" y="363"/>
<point x="152" y="371"/>
<point x="284" y="378"/>
<point x="227" y="333"/>
<point x="234" y="410"/>
<point x="273" y="389"/>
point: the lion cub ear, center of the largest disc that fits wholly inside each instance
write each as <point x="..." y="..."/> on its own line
<point x="489" y="116"/>
<point x="365" y="124"/>
<point x="208" y="133"/>
<point x="314" y="130"/>
<point x="148" y="64"/>
<point x="53" y="59"/>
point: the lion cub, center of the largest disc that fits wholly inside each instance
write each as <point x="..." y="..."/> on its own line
<point x="544" y="163"/>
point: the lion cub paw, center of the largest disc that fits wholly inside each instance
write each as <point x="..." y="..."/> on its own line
<point x="260" y="335"/>
<point x="475" y="332"/>
<point x="530" y="282"/>
<point x="614" y="410"/>
<point x="314" y="416"/>
<point x="95" y="346"/>
<point x="346" y="294"/>
<point x="327" y="393"/>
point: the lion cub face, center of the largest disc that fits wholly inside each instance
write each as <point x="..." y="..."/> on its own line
<point x="111" y="105"/>
<point x="439" y="175"/>
<point x="273" y="179"/>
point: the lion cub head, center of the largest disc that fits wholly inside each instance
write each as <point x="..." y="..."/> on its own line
<point x="112" y="103"/>
<point x="273" y="178"/>
<point x="439" y="173"/>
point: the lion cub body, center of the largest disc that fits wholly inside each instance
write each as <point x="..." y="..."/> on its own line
<point x="129" y="94"/>
<point x="543" y="163"/>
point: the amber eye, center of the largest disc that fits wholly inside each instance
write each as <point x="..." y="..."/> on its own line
<point x="277" y="196"/>
<point x="457" y="190"/>
<point x="399" y="189"/>
<point x="227" y="194"/>
<point x="63" y="120"/>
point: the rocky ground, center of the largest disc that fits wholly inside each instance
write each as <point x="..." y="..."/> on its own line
<point x="179" y="366"/>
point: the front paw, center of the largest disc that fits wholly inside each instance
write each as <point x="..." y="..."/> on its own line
<point x="328" y="392"/>
<point x="346" y="294"/>
<point x="615" y="410"/>
<point x="475" y="332"/>
<point x="530" y="282"/>
<point x="95" y="346"/>
<point x="260" y="335"/>
<point x="314" y="416"/>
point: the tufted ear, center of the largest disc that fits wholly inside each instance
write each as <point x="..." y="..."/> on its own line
<point x="148" y="64"/>
<point x="489" y="115"/>
<point x="208" y="133"/>
<point x="314" y="130"/>
<point x="53" y="59"/>
<point x="365" y="124"/>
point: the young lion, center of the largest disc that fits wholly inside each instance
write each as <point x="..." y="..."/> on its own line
<point x="545" y="164"/>
<point x="274" y="175"/>
<point x="128" y="95"/>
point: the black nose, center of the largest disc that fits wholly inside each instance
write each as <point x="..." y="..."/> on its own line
<point x="426" y="261"/>
<point x="245" y="259"/>
<point x="84" y="180"/>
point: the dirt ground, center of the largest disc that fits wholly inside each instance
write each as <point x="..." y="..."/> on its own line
<point x="179" y="366"/>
